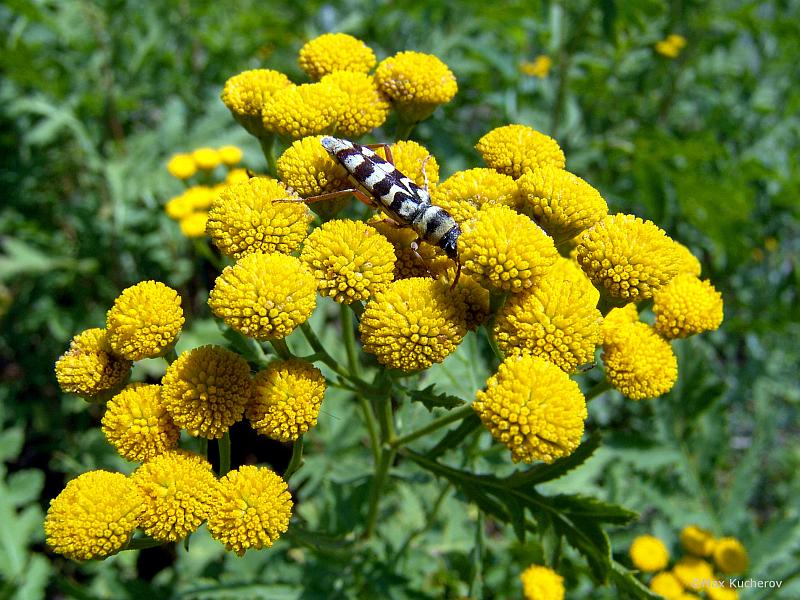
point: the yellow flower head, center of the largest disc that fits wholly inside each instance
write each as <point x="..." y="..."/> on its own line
<point x="516" y="149"/>
<point x="94" y="516"/>
<point x="534" y="408"/>
<point x="649" y="554"/>
<point x="409" y="158"/>
<point x="178" y="488"/>
<point x="349" y="259"/>
<point x="664" y="48"/>
<point x="308" y="109"/>
<point x="730" y="555"/>
<point x="206" y="158"/>
<point x="408" y="264"/>
<point x="251" y="509"/>
<point x="687" y="306"/>
<point x="569" y="271"/>
<point x="194" y="225"/>
<point x="206" y="390"/>
<point x="412" y="324"/>
<point x="538" y="67"/>
<point x="555" y="320"/>
<point x="237" y="176"/>
<point x="667" y="585"/>
<point x="475" y="296"/>
<point x="688" y="261"/>
<point x="541" y="583"/>
<point x="145" y="321"/>
<point x="639" y="363"/>
<point x="230" y="155"/>
<point x="89" y="368"/>
<point x="245" y="218"/>
<point x="697" y="541"/>
<point x="676" y="40"/>
<point x="364" y="107"/>
<point x="692" y="571"/>
<point x="505" y="250"/>
<point x="416" y="83"/>
<point x="196" y="198"/>
<point x="137" y="424"/>
<point x="562" y="203"/>
<point x="264" y="296"/>
<point x="332" y="52"/>
<point x="247" y="93"/>
<point x="628" y="257"/>
<point x="308" y="169"/>
<point x="288" y="395"/>
<point x="616" y="321"/>
<point x="181" y="166"/>
<point x="721" y="593"/>
<point x="464" y="193"/>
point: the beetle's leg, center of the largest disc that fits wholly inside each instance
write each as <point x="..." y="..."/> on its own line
<point x="386" y="148"/>
<point x="458" y="274"/>
<point x="361" y="196"/>
<point x="395" y="224"/>
<point x="415" y="250"/>
<point x="424" y="172"/>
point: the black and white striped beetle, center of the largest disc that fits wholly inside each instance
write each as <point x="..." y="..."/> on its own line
<point x="407" y="204"/>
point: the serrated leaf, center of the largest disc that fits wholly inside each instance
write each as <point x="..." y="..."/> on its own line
<point x="629" y="585"/>
<point x="430" y="400"/>
<point x="544" y="472"/>
<point x="455" y="436"/>
<point x="587" y="507"/>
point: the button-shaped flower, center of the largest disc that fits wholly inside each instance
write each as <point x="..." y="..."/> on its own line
<point x="247" y="93"/>
<point x="730" y="555"/>
<point x="308" y="169"/>
<point x="181" y="166"/>
<point x="649" y="554"/>
<point x="516" y="149"/>
<point x="464" y="193"/>
<point x="687" y="306"/>
<point x="332" y="52"/>
<point x="416" y="83"/>
<point x="364" y="107"/>
<point x="541" y="583"/>
<point x="89" y="368"/>
<point x="308" y="109"/>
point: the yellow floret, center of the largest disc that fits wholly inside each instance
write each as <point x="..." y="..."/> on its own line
<point x="364" y="107"/>
<point x="649" y="554"/>
<point x="264" y="296"/>
<point x="194" y="225"/>
<point x="245" y="218"/>
<point x="427" y="261"/>
<point x="416" y="83"/>
<point x="308" y="169"/>
<point x="230" y="155"/>
<point x="516" y="149"/>
<point x="534" y="408"/>
<point x="730" y="555"/>
<point x="205" y="390"/>
<point x="412" y="324"/>
<point x="541" y="583"/>
<point x="667" y="585"/>
<point x="145" y="321"/>
<point x="138" y="425"/>
<point x="308" y="109"/>
<point x="504" y="250"/>
<point x="247" y="93"/>
<point x="562" y="203"/>
<point x="287" y="398"/>
<point x="349" y="259"/>
<point x="333" y="52"/>
<point x="692" y="572"/>
<point x="206" y="158"/>
<point x="697" y="541"/>
<point x="251" y="509"/>
<point x="464" y="193"/>
<point x="181" y="166"/>
<point x="89" y="368"/>
<point x="687" y="306"/>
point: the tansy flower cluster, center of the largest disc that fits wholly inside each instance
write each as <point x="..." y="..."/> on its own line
<point x="671" y="46"/>
<point x="698" y="573"/>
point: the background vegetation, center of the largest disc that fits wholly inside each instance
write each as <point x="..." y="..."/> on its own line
<point x="96" y="96"/>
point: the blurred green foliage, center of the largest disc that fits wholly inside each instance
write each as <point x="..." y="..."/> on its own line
<point x="96" y="96"/>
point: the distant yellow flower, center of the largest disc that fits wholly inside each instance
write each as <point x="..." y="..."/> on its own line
<point x="667" y="585"/>
<point x="247" y="93"/>
<point x="251" y="509"/>
<point x="349" y="259"/>
<point x="505" y="250"/>
<point x="554" y="320"/>
<point x="409" y="158"/>
<point x="237" y="176"/>
<point x="94" y="516"/>
<point x="206" y="390"/>
<point x="664" y="48"/>
<point x="178" y="488"/>
<point x="181" y="166"/>
<point x="287" y="398"/>
<point x="230" y="155"/>
<point x="516" y="149"/>
<point x="194" y="225"/>
<point x="264" y="296"/>
<point x="692" y="571"/>
<point x="246" y="218"/>
<point x="89" y="368"/>
<point x="308" y="109"/>
<point x="562" y="203"/>
<point x="206" y="158"/>
<point x="649" y="554"/>
<point x="200" y="197"/>
<point x="145" y="321"/>
<point x="639" y="363"/>
<point x="534" y="408"/>
<point x="364" y="107"/>
<point x="137" y="424"/>
<point x="676" y="40"/>
<point x="178" y="207"/>
<point x="628" y="257"/>
<point x="538" y="67"/>
<point x="332" y="52"/>
<point x="308" y="169"/>
<point x="412" y="324"/>
<point x="721" y="593"/>
<point x="541" y="583"/>
<point x="464" y="193"/>
<point x="730" y="555"/>
<point x="687" y="306"/>
<point x="416" y="83"/>
<point x="697" y="541"/>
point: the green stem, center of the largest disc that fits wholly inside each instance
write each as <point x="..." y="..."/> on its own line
<point x="281" y="349"/>
<point x="201" y="247"/>
<point x="372" y="427"/>
<point x="142" y="543"/>
<point x="297" y="458"/>
<point x="357" y="308"/>
<point x="267" y="145"/>
<point x="171" y="356"/>
<point x="202" y="446"/>
<point x="428" y="522"/>
<point x="404" y="129"/>
<point x="455" y="415"/>
<point x="224" y="448"/>
<point x="381" y="475"/>
<point x="601" y="386"/>
<point x="349" y="339"/>
<point x="328" y="360"/>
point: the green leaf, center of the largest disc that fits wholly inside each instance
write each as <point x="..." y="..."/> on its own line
<point x="11" y="443"/>
<point x="545" y="472"/>
<point x="24" y="486"/>
<point x="430" y="400"/>
<point x="455" y="436"/>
